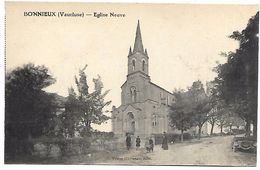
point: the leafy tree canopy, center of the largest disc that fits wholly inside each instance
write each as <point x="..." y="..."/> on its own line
<point x="84" y="108"/>
<point x="28" y="107"/>
<point x="237" y="78"/>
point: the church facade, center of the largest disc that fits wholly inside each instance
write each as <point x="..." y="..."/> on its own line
<point x="144" y="105"/>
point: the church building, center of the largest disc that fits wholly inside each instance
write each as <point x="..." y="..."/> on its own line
<point x="144" y="105"/>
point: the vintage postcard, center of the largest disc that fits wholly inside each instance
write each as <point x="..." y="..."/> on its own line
<point x="131" y="83"/>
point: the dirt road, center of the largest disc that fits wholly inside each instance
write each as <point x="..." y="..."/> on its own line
<point x="207" y="151"/>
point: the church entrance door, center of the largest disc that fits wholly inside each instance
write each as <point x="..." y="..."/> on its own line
<point x="130" y="123"/>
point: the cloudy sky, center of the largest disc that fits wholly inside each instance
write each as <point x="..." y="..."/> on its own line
<point x="183" y="41"/>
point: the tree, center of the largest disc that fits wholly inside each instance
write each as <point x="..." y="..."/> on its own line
<point x="180" y="113"/>
<point x="238" y="77"/>
<point x="55" y="124"/>
<point x="192" y="108"/>
<point x="212" y="120"/>
<point x="200" y="104"/>
<point x="28" y="107"/>
<point x="233" y="120"/>
<point x="221" y="115"/>
<point x="222" y="120"/>
<point x="217" y="115"/>
<point x="83" y="108"/>
<point x="71" y="115"/>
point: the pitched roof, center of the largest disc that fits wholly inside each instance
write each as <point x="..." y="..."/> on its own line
<point x="160" y="88"/>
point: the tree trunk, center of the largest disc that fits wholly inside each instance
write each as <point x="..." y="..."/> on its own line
<point x="89" y="128"/>
<point x="212" y="127"/>
<point x="199" y="132"/>
<point x="255" y="128"/>
<point x="221" y="130"/>
<point x="247" y="128"/>
<point x="181" y="135"/>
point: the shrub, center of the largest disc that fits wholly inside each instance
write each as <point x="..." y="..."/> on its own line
<point x="97" y="134"/>
<point x="238" y="131"/>
<point x="187" y="136"/>
<point x="68" y="147"/>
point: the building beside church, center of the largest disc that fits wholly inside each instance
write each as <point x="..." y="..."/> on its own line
<point x="144" y="105"/>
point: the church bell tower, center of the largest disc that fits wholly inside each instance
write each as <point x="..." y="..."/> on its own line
<point x="134" y="90"/>
<point x="138" y="57"/>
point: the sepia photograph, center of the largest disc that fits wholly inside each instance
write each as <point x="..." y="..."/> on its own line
<point x="131" y="84"/>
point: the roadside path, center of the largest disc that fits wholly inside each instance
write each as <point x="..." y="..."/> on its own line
<point x="208" y="151"/>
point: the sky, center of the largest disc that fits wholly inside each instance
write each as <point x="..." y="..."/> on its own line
<point x="183" y="42"/>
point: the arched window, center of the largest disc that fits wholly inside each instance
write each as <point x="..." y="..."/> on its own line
<point x="130" y="115"/>
<point x="133" y="64"/>
<point x="154" y="120"/>
<point x="133" y="94"/>
<point x="143" y="65"/>
<point x="130" y="122"/>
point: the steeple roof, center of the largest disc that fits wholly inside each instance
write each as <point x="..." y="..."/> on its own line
<point x="138" y="46"/>
<point x="130" y="51"/>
